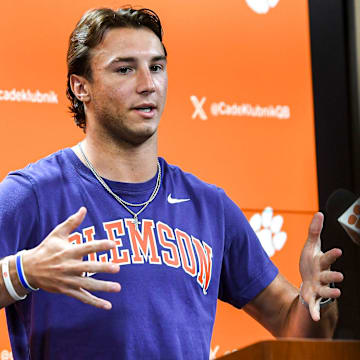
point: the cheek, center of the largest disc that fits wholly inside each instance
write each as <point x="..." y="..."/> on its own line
<point x="118" y="96"/>
<point x="114" y="89"/>
<point x="162" y="86"/>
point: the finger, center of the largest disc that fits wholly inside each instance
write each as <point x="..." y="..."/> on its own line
<point x="91" y="284"/>
<point x="71" y="223"/>
<point x="326" y="292"/>
<point x="315" y="228"/>
<point x="88" y="298"/>
<point x="327" y="277"/>
<point x="314" y="308"/>
<point x="329" y="258"/>
<point x="93" y="267"/>
<point x="91" y="247"/>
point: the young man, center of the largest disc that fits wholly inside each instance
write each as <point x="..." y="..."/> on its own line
<point x="181" y="243"/>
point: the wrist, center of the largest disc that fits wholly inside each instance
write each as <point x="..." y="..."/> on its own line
<point x="11" y="279"/>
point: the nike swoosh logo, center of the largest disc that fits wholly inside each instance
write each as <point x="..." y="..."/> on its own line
<point x="87" y="274"/>
<point x="172" y="200"/>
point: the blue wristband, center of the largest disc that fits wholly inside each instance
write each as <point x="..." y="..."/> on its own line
<point x="21" y="274"/>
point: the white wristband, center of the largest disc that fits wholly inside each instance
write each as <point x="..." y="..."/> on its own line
<point x="8" y="284"/>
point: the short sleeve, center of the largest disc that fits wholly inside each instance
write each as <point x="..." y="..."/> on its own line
<point x="246" y="268"/>
<point x="19" y="214"/>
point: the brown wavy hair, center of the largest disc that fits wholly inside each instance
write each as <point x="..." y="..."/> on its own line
<point x="89" y="32"/>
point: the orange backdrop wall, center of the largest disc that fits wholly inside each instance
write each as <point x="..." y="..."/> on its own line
<point x="239" y="113"/>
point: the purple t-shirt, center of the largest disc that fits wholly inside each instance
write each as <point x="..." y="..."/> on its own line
<point x="174" y="266"/>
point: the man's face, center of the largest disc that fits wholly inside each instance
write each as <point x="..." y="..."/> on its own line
<point x="128" y="86"/>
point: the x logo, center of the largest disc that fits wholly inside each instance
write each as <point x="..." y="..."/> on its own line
<point x="198" y="107"/>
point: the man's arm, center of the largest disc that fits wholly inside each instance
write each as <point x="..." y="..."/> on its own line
<point x="57" y="266"/>
<point x="279" y="307"/>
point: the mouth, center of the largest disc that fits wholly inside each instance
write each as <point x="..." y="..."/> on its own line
<point x="145" y="110"/>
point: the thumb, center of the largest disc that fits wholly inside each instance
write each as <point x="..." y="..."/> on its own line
<point x="315" y="228"/>
<point x="71" y="223"/>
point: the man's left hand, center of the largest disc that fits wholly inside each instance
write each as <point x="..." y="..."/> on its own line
<point x="315" y="269"/>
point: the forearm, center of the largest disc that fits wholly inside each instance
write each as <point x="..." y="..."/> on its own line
<point x="279" y="309"/>
<point x="298" y="322"/>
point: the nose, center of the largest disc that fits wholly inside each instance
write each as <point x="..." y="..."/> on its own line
<point x="145" y="82"/>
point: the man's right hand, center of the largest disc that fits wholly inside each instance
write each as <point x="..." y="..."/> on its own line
<point x="57" y="266"/>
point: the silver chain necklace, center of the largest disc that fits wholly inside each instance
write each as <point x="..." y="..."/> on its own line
<point x="124" y="203"/>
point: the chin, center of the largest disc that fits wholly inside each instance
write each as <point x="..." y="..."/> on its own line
<point x="134" y="137"/>
<point x="132" y="131"/>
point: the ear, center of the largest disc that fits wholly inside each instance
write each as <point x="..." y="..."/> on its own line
<point x="80" y="88"/>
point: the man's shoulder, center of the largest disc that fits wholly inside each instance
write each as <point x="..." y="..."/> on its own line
<point x="22" y="189"/>
<point x="188" y="179"/>
<point x="49" y="168"/>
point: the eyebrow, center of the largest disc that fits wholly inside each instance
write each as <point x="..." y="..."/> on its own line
<point x="131" y="59"/>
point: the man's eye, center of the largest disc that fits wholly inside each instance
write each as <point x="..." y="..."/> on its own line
<point x="156" y="68"/>
<point x="123" y="70"/>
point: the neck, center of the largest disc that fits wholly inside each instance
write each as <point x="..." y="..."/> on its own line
<point x="130" y="164"/>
